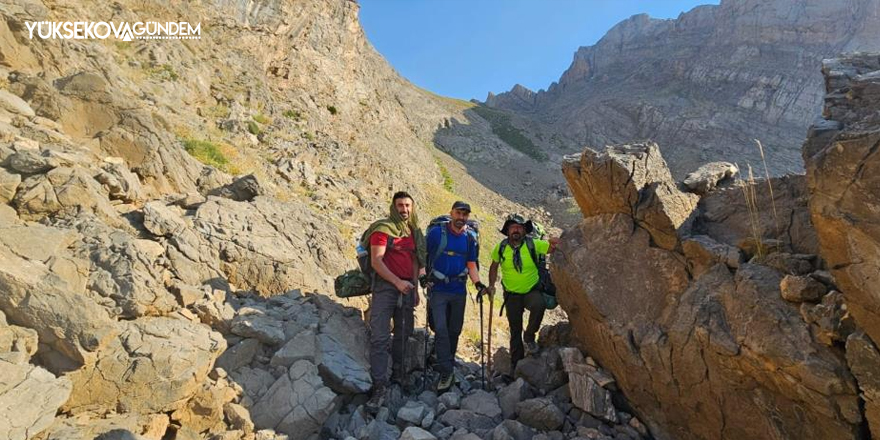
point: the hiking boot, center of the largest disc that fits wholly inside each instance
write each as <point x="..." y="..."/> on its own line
<point x="445" y="383"/>
<point x="531" y="348"/>
<point x="376" y="400"/>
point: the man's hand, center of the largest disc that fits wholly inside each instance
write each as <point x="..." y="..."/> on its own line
<point x="490" y="290"/>
<point x="403" y="286"/>
<point x="554" y="242"/>
<point x="480" y="286"/>
<point x="423" y="280"/>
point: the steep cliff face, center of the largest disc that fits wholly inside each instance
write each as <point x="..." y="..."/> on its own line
<point x="730" y="315"/>
<point x="703" y="85"/>
<point x="842" y="155"/>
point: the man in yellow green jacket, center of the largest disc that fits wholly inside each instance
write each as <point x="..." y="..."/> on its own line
<point x="519" y="278"/>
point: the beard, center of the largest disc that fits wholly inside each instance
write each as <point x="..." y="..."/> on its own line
<point x="515" y="235"/>
<point x="459" y="223"/>
<point x="404" y="215"/>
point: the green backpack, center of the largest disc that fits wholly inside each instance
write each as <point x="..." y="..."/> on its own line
<point x="359" y="282"/>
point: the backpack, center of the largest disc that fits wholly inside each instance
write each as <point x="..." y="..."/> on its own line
<point x="359" y="282"/>
<point x="472" y="227"/>
<point x="473" y="233"/>
<point x="545" y="281"/>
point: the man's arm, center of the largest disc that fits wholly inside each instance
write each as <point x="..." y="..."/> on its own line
<point x="473" y="272"/>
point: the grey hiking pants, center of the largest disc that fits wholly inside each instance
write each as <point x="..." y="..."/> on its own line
<point x="383" y="310"/>
<point x="447" y="313"/>
<point x="517" y="303"/>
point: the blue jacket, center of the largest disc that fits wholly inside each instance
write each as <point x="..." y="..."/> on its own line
<point x="460" y="248"/>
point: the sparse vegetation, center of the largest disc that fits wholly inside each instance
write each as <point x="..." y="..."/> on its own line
<point x="217" y="111"/>
<point x="292" y="114"/>
<point x="751" y="199"/>
<point x="309" y="136"/>
<point x="206" y="152"/>
<point x="164" y="72"/>
<point x="262" y="119"/>
<point x="448" y="183"/>
<point x="332" y="110"/>
<point x="253" y="128"/>
<point x="507" y="132"/>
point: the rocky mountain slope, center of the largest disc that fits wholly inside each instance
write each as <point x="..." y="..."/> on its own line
<point x="746" y="312"/>
<point x="154" y="192"/>
<point x="703" y="86"/>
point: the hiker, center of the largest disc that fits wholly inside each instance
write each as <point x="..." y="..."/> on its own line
<point x="452" y="259"/>
<point x="516" y="255"/>
<point x="397" y="254"/>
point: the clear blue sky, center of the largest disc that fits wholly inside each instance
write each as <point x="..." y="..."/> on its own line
<point x="466" y="48"/>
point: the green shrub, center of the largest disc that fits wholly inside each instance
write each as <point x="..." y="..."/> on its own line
<point x="253" y="128"/>
<point x="448" y="183"/>
<point x="507" y="132"/>
<point x="164" y="72"/>
<point x="262" y="119"/>
<point x="206" y="152"/>
<point x="332" y="110"/>
<point x="292" y="114"/>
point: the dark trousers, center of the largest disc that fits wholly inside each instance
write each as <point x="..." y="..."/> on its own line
<point x="447" y="313"/>
<point x="517" y="303"/>
<point x="385" y="308"/>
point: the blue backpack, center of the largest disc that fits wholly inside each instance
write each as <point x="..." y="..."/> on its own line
<point x="473" y="233"/>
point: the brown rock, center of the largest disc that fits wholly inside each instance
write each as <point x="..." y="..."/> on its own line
<point x="631" y="180"/>
<point x="842" y="166"/>
<point x="802" y="289"/>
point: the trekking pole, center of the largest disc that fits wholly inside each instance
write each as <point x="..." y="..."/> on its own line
<point x="425" y="365"/>
<point x="401" y="304"/>
<point x="482" y="361"/>
<point x="489" y="330"/>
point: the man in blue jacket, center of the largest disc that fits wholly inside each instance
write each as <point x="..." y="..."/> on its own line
<point x="449" y="268"/>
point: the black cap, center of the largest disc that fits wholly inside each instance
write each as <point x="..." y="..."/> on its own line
<point x="461" y="205"/>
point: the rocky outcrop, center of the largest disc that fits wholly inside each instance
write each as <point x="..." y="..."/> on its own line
<point x="750" y="64"/>
<point x="694" y="326"/>
<point x="842" y="155"/>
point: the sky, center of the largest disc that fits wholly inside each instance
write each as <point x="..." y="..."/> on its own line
<point x="466" y="48"/>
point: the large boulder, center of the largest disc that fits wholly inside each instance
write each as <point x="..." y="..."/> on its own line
<point x="713" y="354"/>
<point x="29" y="398"/>
<point x="271" y="247"/>
<point x="154" y="365"/>
<point x="843" y="171"/>
<point x="633" y="180"/>
<point x="297" y="404"/>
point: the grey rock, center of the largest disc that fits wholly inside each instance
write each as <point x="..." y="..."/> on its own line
<point x="378" y="430"/>
<point x="297" y="404"/>
<point x="411" y="413"/>
<point x="461" y="419"/>
<point x="482" y="403"/>
<point x="540" y="413"/>
<point x="239" y="355"/>
<point x="14" y="104"/>
<point x="303" y="346"/>
<point x="708" y="176"/>
<point x="162" y="220"/>
<point x="341" y="370"/>
<point x="512" y="394"/>
<point x="254" y="323"/>
<point x="450" y="399"/>
<point x="414" y="433"/>
<point x="29" y="398"/>
<point x="242" y="189"/>
<point x="512" y="430"/>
